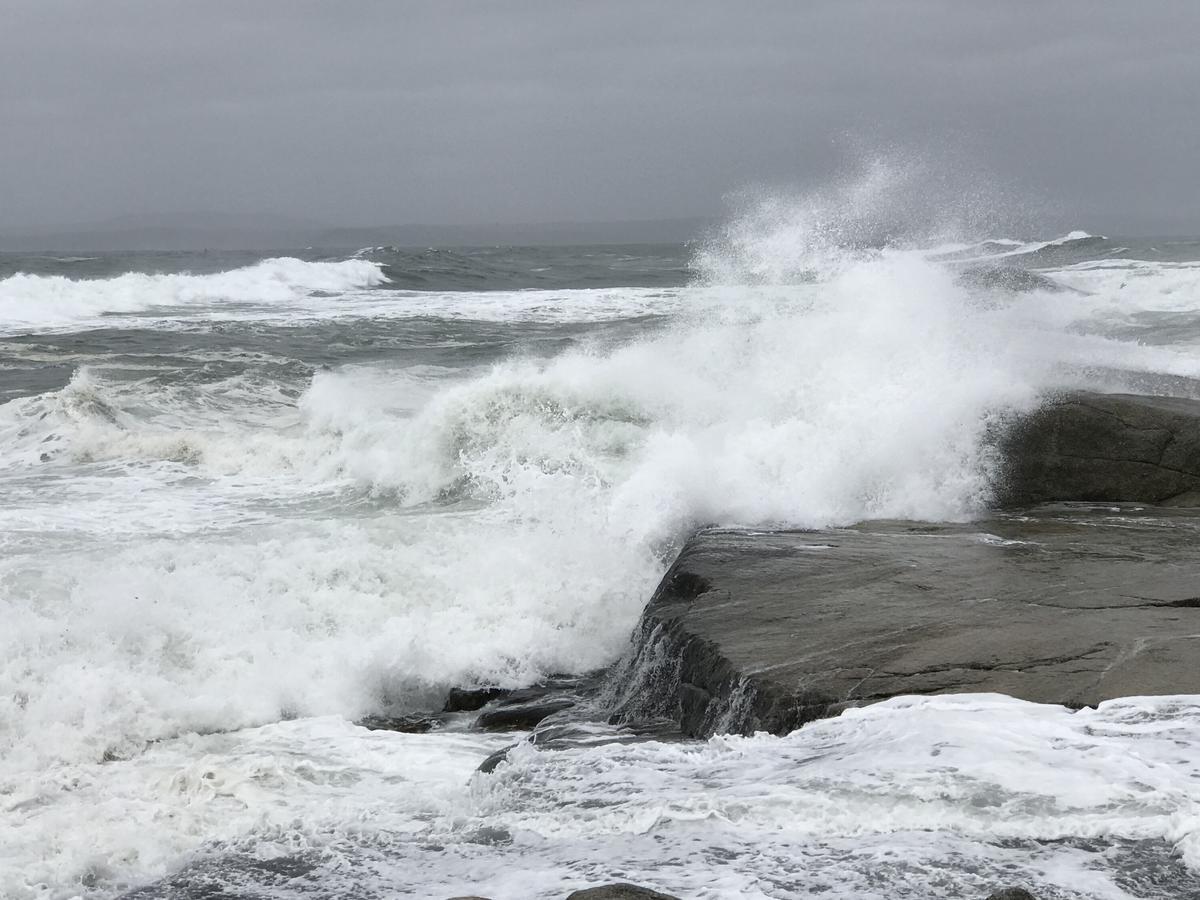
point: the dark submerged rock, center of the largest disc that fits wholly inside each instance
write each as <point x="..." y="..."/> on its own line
<point x="1008" y="278"/>
<point x="766" y="631"/>
<point x="1104" y="447"/>
<point x="1012" y="893"/>
<point x="619" y="892"/>
<point x="233" y="877"/>
<point x="416" y="724"/>
<point x="520" y="716"/>
<point x="469" y="700"/>
<point x="489" y="765"/>
<point x="524" y="708"/>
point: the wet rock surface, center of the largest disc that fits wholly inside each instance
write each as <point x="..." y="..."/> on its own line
<point x="619" y="892"/>
<point x="1009" y="278"/>
<point x="1105" y="447"/>
<point x="1066" y="604"/>
<point x="234" y="877"/>
<point x="634" y="892"/>
<point x="471" y="699"/>
<point x="413" y="724"/>
<point x="526" y="708"/>
<point x="520" y="716"/>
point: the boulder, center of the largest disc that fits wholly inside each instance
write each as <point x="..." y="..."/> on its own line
<point x="1104" y="447"/>
<point x="1012" y="893"/>
<point x="520" y="716"/>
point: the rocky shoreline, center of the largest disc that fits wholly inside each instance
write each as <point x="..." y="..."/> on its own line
<point x="754" y="631"/>
<point x="1080" y="587"/>
<point x="1052" y="599"/>
<point x="1069" y="603"/>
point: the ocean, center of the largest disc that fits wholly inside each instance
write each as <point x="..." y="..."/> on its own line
<point x="249" y="499"/>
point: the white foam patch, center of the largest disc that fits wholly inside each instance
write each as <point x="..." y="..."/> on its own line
<point x="1133" y="286"/>
<point x="536" y="306"/>
<point x="930" y="796"/>
<point x="114" y="644"/>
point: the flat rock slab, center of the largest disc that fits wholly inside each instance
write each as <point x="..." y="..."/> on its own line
<point x="767" y="630"/>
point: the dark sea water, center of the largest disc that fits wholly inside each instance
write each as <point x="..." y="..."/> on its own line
<point x="251" y="498"/>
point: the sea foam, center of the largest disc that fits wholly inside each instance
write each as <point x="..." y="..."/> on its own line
<point x="929" y="796"/>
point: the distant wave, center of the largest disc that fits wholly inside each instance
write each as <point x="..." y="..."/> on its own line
<point x="1002" y="248"/>
<point x="524" y="268"/>
<point x="433" y="269"/>
<point x="32" y="302"/>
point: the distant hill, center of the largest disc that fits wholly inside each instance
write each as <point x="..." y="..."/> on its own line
<point x="217" y="231"/>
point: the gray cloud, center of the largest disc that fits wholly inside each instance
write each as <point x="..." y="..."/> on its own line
<point x="366" y="112"/>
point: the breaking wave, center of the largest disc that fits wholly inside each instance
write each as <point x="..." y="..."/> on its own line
<point x="56" y="301"/>
<point x="536" y="504"/>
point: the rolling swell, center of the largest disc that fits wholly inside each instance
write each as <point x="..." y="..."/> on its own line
<point x="521" y="268"/>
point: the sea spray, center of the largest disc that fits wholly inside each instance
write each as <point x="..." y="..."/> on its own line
<point x="516" y="520"/>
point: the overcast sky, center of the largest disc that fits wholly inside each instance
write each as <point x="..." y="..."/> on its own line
<point x="359" y="112"/>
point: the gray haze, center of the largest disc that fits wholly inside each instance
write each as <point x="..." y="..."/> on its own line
<point x="302" y="115"/>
